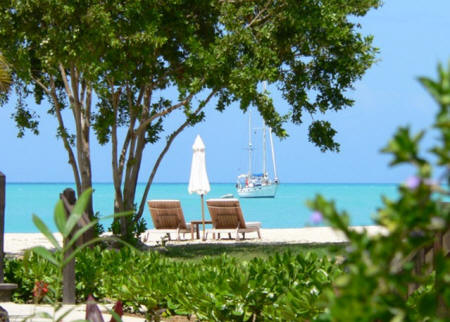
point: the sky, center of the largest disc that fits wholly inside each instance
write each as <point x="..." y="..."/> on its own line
<point x="412" y="37"/>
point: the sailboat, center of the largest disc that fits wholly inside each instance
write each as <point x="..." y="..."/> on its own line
<point x="258" y="185"/>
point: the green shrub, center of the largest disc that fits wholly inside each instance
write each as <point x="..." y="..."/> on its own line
<point x="215" y="288"/>
<point x="89" y="271"/>
<point x="135" y="227"/>
<point x="26" y="272"/>
<point x="224" y="290"/>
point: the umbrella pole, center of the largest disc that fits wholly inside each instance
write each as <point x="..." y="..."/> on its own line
<point x="203" y="218"/>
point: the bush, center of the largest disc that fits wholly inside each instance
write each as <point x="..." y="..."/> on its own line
<point x="26" y="272"/>
<point x="219" y="288"/>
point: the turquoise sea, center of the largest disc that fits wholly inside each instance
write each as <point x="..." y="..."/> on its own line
<point x="287" y="210"/>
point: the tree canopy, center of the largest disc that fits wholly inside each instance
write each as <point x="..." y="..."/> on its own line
<point x="310" y="49"/>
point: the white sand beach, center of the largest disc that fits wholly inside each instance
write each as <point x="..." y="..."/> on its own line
<point x="16" y="243"/>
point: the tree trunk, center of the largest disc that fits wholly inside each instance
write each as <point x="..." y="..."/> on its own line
<point x="442" y="309"/>
<point x="80" y="104"/>
<point x="83" y="126"/>
<point x="68" y="196"/>
<point x="84" y="161"/>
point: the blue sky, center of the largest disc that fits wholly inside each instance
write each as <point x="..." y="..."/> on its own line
<point x="412" y="37"/>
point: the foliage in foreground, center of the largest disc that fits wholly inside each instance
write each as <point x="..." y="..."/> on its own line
<point x="284" y="286"/>
<point x="380" y="272"/>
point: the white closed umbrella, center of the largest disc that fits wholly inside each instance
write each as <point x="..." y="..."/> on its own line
<point x="198" y="181"/>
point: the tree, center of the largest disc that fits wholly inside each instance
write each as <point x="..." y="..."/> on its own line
<point x="48" y="59"/>
<point x="129" y="53"/>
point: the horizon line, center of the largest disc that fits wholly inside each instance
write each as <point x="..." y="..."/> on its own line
<point x="179" y="182"/>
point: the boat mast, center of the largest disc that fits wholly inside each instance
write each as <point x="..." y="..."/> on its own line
<point x="264" y="137"/>
<point x="250" y="143"/>
<point x="264" y="149"/>
<point x="273" y="156"/>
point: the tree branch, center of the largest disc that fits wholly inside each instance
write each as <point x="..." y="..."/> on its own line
<point x="45" y="88"/>
<point x="126" y="142"/>
<point x="83" y="90"/>
<point x="144" y="124"/>
<point x="66" y="82"/>
<point x="258" y="18"/>
<point x="64" y="135"/>
<point x="69" y="92"/>
<point x="74" y="78"/>
<point x="163" y="153"/>
<point x="115" y="167"/>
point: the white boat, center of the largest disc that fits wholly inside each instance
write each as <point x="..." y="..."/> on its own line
<point x="257" y="190"/>
<point x="258" y="185"/>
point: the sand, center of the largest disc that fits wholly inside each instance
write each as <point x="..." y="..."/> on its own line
<point x="16" y="243"/>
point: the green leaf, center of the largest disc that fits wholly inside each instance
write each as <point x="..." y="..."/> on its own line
<point x="83" y="201"/>
<point x="322" y="135"/>
<point x="78" y="234"/>
<point x="45" y="253"/>
<point x="342" y="281"/>
<point x="74" y="218"/>
<point x="60" y="217"/>
<point x="85" y="228"/>
<point x="45" y="231"/>
<point x="78" y="210"/>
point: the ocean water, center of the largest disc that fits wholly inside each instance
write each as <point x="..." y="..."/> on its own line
<point x="288" y="209"/>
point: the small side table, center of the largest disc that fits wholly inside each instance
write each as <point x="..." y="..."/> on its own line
<point x="197" y="223"/>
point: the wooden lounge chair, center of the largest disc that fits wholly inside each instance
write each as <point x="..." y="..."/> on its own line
<point x="168" y="217"/>
<point x="227" y="217"/>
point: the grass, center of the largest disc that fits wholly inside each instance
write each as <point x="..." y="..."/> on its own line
<point x="245" y="251"/>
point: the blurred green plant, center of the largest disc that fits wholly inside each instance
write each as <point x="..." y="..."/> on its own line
<point x="66" y="227"/>
<point x="47" y="286"/>
<point x="383" y="279"/>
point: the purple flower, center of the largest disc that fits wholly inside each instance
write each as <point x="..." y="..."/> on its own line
<point x="412" y="182"/>
<point x="316" y="217"/>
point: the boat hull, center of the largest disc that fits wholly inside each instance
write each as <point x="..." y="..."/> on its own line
<point x="264" y="191"/>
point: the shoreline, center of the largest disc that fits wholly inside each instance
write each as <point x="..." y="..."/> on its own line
<point x="17" y="243"/>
